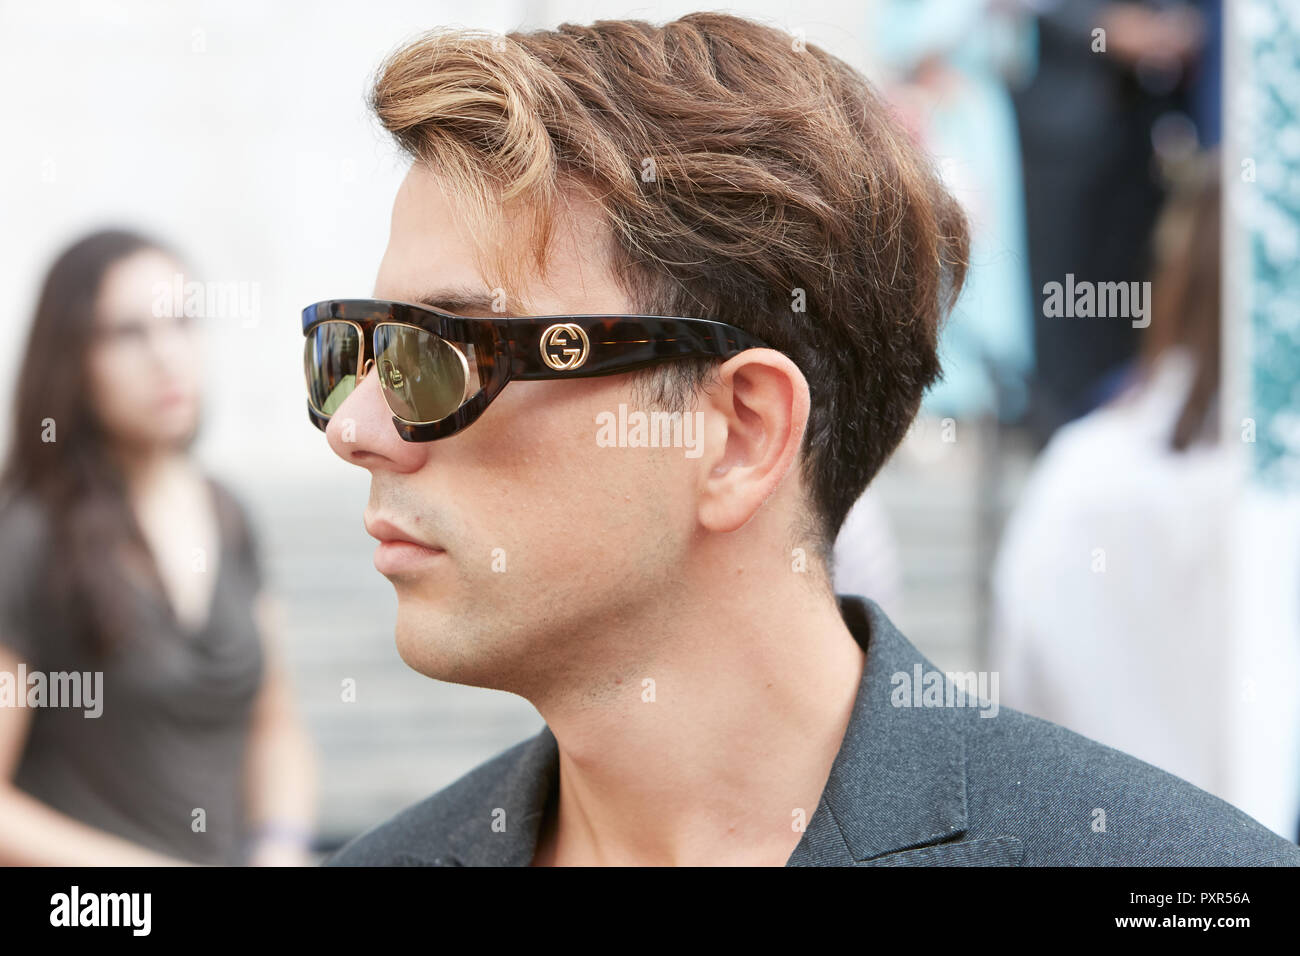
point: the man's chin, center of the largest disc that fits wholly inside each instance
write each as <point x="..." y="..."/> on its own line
<point x="432" y="642"/>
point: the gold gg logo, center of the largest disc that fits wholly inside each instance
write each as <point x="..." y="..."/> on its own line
<point x="565" y="346"/>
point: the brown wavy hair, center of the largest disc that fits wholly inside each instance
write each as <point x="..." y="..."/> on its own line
<point x="744" y="176"/>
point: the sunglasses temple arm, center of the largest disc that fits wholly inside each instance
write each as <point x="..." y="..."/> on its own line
<point x="616" y="344"/>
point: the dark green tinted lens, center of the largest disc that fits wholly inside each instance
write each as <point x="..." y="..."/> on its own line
<point x="330" y="358"/>
<point x="422" y="375"/>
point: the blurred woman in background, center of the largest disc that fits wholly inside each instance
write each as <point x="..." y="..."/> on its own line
<point x="122" y="558"/>
<point x="1111" y="588"/>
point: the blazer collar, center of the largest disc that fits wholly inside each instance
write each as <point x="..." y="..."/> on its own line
<point x="523" y="792"/>
<point x="898" y="781"/>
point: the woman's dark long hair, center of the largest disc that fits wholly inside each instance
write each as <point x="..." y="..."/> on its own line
<point x="96" y="545"/>
<point x="1185" y="292"/>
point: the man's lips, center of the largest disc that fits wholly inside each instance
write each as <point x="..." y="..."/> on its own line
<point x="399" y="551"/>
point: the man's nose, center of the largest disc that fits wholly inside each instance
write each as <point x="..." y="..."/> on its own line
<point x="361" y="430"/>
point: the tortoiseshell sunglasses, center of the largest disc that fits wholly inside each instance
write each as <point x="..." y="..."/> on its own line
<point x="439" y="372"/>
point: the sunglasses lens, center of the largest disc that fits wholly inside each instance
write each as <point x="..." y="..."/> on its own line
<point x="330" y="358"/>
<point x="423" y="376"/>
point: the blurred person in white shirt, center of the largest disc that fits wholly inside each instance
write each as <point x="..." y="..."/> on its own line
<point x="1111" y="597"/>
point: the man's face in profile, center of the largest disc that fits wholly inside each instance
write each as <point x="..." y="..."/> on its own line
<point x="533" y="532"/>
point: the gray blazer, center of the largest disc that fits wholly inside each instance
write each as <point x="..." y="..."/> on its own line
<point x="921" y="779"/>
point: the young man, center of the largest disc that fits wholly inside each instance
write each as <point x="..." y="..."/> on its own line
<point x="624" y="515"/>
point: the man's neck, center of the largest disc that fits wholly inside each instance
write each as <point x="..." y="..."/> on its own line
<point x="719" y="753"/>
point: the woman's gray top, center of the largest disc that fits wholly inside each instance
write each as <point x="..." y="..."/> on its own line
<point x="153" y="748"/>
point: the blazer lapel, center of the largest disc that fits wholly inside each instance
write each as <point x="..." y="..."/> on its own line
<point x="898" y="782"/>
<point x="489" y="838"/>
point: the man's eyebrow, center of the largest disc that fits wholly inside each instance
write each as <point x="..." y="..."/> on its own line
<point x="461" y="300"/>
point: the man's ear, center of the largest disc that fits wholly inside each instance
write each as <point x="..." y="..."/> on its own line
<point x="758" y="411"/>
